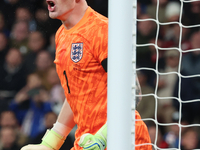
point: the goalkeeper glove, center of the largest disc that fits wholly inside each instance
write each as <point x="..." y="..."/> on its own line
<point x="94" y="142"/>
<point x="50" y="141"/>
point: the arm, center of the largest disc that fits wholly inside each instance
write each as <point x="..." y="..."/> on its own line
<point x="66" y="119"/>
<point x="66" y="115"/>
<point x="54" y="138"/>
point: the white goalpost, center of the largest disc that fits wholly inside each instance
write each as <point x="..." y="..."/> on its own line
<point x="120" y="74"/>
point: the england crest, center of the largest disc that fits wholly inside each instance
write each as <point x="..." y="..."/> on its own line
<point x="76" y="52"/>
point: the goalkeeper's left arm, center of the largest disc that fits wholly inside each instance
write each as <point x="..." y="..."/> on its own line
<point x="94" y="142"/>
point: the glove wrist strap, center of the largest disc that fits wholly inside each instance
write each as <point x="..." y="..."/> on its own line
<point x="53" y="140"/>
<point x="102" y="133"/>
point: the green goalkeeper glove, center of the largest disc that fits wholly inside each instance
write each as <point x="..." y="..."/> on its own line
<point x="94" y="142"/>
<point x="50" y="141"/>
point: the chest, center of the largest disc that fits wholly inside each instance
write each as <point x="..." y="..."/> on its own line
<point x="75" y="61"/>
<point x="75" y="54"/>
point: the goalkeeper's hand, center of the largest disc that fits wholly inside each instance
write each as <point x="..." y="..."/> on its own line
<point x="50" y="141"/>
<point x="35" y="147"/>
<point x="94" y="142"/>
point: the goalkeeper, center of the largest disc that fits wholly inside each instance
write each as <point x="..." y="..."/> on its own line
<point x="81" y="63"/>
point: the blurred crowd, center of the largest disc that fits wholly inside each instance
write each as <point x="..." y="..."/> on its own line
<point x="30" y="91"/>
<point x="170" y="94"/>
<point x="31" y="95"/>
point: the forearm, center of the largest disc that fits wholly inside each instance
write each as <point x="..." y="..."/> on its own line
<point x="66" y="115"/>
<point x="61" y="128"/>
<point x="65" y="121"/>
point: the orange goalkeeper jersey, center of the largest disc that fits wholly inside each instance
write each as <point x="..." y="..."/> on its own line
<point x="141" y="134"/>
<point x="79" y="53"/>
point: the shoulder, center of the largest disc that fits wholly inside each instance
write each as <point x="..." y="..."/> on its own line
<point x="99" y="17"/>
<point x="95" y="21"/>
<point x="97" y="25"/>
<point x="100" y="20"/>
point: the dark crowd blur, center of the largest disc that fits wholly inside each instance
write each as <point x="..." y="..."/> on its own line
<point x="172" y="30"/>
<point x="31" y="95"/>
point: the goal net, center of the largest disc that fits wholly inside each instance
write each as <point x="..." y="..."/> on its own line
<point x="168" y="69"/>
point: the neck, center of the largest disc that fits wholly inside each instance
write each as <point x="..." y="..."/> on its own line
<point x="76" y="15"/>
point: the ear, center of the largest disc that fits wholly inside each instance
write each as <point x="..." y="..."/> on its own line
<point x="77" y="1"/>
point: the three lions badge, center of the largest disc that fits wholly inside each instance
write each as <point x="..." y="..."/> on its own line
<point x="76" y="52"/>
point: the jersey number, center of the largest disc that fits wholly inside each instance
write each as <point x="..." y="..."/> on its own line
<point x="64" y="72"/>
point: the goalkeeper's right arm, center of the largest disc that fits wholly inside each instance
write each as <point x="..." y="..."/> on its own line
<point x="54" y="138"/>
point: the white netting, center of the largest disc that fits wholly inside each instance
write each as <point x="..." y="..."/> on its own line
<point x="183" y="32"/>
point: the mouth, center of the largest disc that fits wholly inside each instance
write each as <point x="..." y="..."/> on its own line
<point x="51" y="5"/>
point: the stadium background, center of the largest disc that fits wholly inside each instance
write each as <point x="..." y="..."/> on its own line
<point x="30" y="92"/>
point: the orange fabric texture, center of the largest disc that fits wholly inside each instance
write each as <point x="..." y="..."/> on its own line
<point x="141" y="134"/>
<point x="79" y="53"/>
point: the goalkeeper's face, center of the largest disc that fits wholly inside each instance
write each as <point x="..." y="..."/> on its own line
<point x="60" y="9"/>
